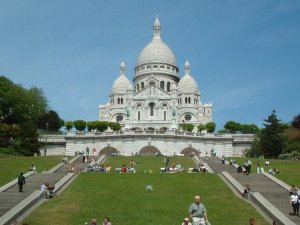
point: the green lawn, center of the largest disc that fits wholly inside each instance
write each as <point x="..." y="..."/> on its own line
<point x="123" y="198"/>
<point x="12" y="166"/>
<point x="289" y="169"/>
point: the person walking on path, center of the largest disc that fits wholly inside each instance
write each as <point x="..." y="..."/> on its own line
<point x="21" y="182"/>
<point x="294" y="200"/>
<point x="198" y="212"/>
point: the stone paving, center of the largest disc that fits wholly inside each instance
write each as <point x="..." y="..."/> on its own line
<point x="270" y="190"/>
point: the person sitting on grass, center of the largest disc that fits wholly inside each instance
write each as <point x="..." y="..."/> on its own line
<point x="186" y="221"/>
<point x="106" y="221"/>
<point x="108" y="168"/>
<point x="123" y="169"/>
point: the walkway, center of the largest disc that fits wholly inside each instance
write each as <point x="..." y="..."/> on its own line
<point x="270" y="190"/>
<point x="10" y="197"/>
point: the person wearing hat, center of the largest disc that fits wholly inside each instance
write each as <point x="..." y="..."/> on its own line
<point x="198" y="212"/>
<point x="186" y="221"/>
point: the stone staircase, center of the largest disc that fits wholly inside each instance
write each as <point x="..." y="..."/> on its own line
<point x="270" y="190"/>
<point x="10" y="197"/>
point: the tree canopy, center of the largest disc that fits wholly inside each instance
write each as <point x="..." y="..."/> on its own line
<point x="20" y="110"/>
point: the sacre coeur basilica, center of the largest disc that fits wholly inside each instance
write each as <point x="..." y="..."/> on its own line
<point x="158" y="99"/>
<point x="151" y="110"/>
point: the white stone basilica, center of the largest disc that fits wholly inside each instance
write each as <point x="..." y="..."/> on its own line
<point x="158" y="98"/>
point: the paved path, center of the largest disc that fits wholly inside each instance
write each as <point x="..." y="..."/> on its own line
<point x="274" y="193"/>
<point x="11" y="196"/>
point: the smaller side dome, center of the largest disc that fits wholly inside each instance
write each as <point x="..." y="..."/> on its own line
<point x="121" y="84"/>
<point x="187" y="84"/>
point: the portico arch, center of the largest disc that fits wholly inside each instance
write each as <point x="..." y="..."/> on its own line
<point x="149" y="150"/>
<point x="108" y="151"/>
<point x="189" y="151"/>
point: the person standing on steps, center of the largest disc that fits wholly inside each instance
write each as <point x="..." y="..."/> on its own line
<point x="21" y="182"/>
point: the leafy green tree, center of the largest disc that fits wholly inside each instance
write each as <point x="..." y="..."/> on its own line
<point x="114" y="126"/>
<point x="187" y="127"/>
<point x="102" y="125"/>
<point x="272" y="138"/>
<point x="296" y="121"/>
<point x="69" y="125"/>
<point x="210" y="127"/>
<point x="201" y="127"/>
<point x="21" y="107"/>
<point x="52" y="119"/>
<point x="91" y="125"/>
<point x="232" y="126"/>
<point x="79" y="125"/>
<point x="61" y="123"/>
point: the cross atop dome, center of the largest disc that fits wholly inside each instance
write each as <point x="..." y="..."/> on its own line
<point x="156" y="28"/>
<point x="187" y="68"/>
<point x="122" y="69"/>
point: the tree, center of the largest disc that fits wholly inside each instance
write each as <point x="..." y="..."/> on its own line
<point x="79" y="125"/>
<point x="272" y="139"/>
<point x="114" y="126"/>
<point x="296" y="121"/>
<point x="21" y="107"/>
<point x="52" y="119"/>
<point x="187" y="127"/>
<point x="102" y="125"/>
<point x="210" y="127"/>
<point x="91" y="125"/>
<point x="69" y="125"/>
<point x="232" y="126"/>
<point x="201" y="127"/>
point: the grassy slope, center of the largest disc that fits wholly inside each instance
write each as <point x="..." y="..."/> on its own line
<point x="123" y="198"/>
<point x="11" y="167"/>
<point x="289" y="169"/>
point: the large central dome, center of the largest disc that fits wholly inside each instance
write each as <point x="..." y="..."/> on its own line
<point x="156" y="51"/>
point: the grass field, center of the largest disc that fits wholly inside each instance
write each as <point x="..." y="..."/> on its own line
<point x="289" y="169"/>
<point x="124" y="199"/>
<point x="12" y="166"/>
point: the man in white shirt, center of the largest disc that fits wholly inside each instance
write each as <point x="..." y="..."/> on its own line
<point x="294" y="200"/>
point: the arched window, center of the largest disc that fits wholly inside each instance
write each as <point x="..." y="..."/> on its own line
<point x="162" y="85"/>
<point x="118" y="100"/>
<point x="180" y="101"/>
<point x="151" y="105"/>
<point x="142" y="85"/>
<point x="121" y="100"/>
<point x="168" y="86"/>
<point x="185" y="100"/>
<point x="138" y="87"/>
<point x="165" y="115"/>
<point x="139" y="115"/>
<point x="189" y="100"/>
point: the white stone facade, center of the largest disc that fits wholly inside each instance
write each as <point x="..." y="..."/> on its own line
<point x="158" y="98"/>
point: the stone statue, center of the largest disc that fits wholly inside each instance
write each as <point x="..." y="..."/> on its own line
<point x="173" y="112"/>
<point x="128" y="113"/>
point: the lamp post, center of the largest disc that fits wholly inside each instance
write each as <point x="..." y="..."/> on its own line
<point x="45" y="149"/>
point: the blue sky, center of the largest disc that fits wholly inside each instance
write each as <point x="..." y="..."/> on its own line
<point x="245" y="55"/>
